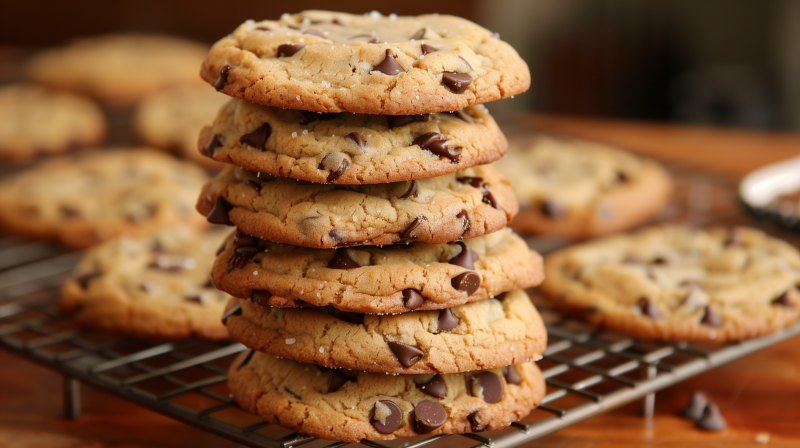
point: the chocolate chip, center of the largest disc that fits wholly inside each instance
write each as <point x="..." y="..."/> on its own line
<point x="411" y="192"/>
<point x="406" y="354"/>
<point x="488" y="198"/>
<point x="222" y="79"/>
<point x="212" y="146"/>
<point x="395" y="121"/>
<point x="339" y="377"/>
<point x="353" y="318"/>
<point x="712" y="419"/>
<point x="659" y="260"/>
<point x="336" y="235"/>
<point x="648" y="308"/>
<point x="412" y="299"/>
<point x="357" y="138"/>
<point x="288" y="50"/>
<point x="487" y="386"/>
<point x="236" y="310"/>
<point x="428" y="415"/>
<point x="447" y="320"/>
<point x="255" y="185"/>
<point x="425" y="140"/>
<point x="783" y="300"/>
<point x="389" y="65"/>
<point x="437" y="144"/>
<point x="341" y="260"/>
<point x="260" y="297"/>
<point x="247" y="359"/>
<point x="467" y="282"/>
<point x="466" y="258"/>
<point x="309" y="117"/>
<point x="313" y="32"/>
<point x="463" y="215"/>
<point x="195" y="298"/>
<point x="711" y="318"/>
<point x="419" y="34"/>
<point x="336" y="173"/>
<point x="696" y="407"/>
<point x="512" y="376"/>
<point x="410" y="233"/>
<point x="241" y="256"/>
<point x="476" y="182"/>
<point x="435" y="387"/>
<point x="622" y="177"/>
<point x="428" y="49"/>
<point x="84" y="279"/>
<point x="389" y="422"/>
<point x="476" y="421"/>
<point x="219" y="213"/>
<point x="457" y="82"/>
<point x="258" y="138"/>
<point x="552" y="209"/>
<point x="242" y="239"/>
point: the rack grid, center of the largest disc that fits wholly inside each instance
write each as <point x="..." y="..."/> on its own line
<point x="587" y="372"/>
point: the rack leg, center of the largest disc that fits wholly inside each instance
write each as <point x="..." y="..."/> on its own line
<point x="72" y="398"/>
<point x="649" y="400"/>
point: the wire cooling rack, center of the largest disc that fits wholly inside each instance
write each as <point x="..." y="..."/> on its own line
<point x="587" y="372"/>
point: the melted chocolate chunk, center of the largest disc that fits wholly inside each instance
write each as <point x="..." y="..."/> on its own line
<point x="406" y="354"/>
<point x="466" y="258"/>
<point x="512" y="376"/>
<point x="389" y="65"/>
<point x="447" y="320"/>
<point x="467" y="282"/>
<point x="219" y="213"/>
<point x="412" y="299"/>
<point x="488" y="198"/>
<point x="84" y="279"/>
<point x="341" y="260"/>
<point x="334" y="174"/>
<point x="437" y="144"/>
<point x="712" y="419"/>
<point x="463" y="215"/>
<point x="212" y="146"/>
<point x="357" y="138"/>
<point x="396" y="121"/>
<point x="390" y="422"/>
<point x="336" y="235"/>
<point x="313" y="32"/>
<point x="260" y="297"/>
<point x="428" y="415"/>
<point x="339" y="377"/>
<point x="255" y="185"/>
<point x="288" y="50"/>
<point x="419" y="34"/>
<point x="258" y="138"/>
<point x="457" y="82"/>
<point x="309" y="117"/>
<point x="552" y="209"/>
<point x="411" y="192"/>
<point x="247" y="359"/>
<point x="710" y="317"/>
<point x="696" y="407"/>
<point x="476" y="182"/>
<point x="222" y="79"/>
<point x="241" y="256"/>
<point x="487" y="386"/>
<point x="428" y="49"/>
<point x="410" y="233"/>
<point x="236" y="310"/>
<point x="435" y="387"/>
<point x="783" y="300"/>
<point x="648" y="308"/>
<point x="476" y="421"/>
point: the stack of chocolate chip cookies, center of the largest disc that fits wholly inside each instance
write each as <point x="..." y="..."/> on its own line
<point x="375" y="280"/>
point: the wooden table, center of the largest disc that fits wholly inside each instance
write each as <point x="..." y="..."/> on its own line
<point x="759" y="395"/>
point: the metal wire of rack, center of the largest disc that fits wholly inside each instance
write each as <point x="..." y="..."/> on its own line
<point x="587" y="372"/>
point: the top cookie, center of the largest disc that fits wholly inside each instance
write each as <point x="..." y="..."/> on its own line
<point x="119" y="68"/>
<point x="372" y="64"/>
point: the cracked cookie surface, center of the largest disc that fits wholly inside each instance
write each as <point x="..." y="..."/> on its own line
<point x="679" y="283"/>
<point x="480" y="335"/>
<point x="465" y="204"/>
<point x="84" y="199"/>
<point x="370" y="148"/>
<point x="387" y="279"/>
<point x="578" y="189"/>
<point x="335" y="62"/>
<point x="349" y="406"/>
<point x="156" y="286"/>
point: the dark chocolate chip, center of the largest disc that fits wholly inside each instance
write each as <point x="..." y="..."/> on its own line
<point x="390" y="422"/>
<point x="457" y="82"/>
<point x="419" y="34"/>
<point x="389" y="65"/>
<point x="410" y="233"/>
<point x="412" y="190"/>
<point x="195" y="298"/>
<point x="783" y="300"/>
<point x="353" y="318"/>
<point x="212" y="146"/>
<point x="711" y="318"/>
<point x="437" y="144"/>
<point x="552" y="209"/>
<point x="84" y="279"/>
<point x="406" y="354"/>
<point x="447" y="320"/>
<point x="341" y="260"/>
<point x="696" y="407"/>
<point x="313" y="32"/>
<point x="463" y="215"/>
<point x="338" y="379"/>
<point x="344" y="164"/>
<point x="247" y="358"/>
<point x="242" y="239"/>
<point x="435" y="387"/>
<point x="488" y="198"/>
<point x="222" y="79"/>
<point x="236" y="310"/>
<point x="309" y="117"/>
<point x="712" y="419"/>
<point x="648" y="308"/>
<point x="659" y="260"/>
<point x="487" y="386"/>
<point x="428" y="415"/>
<point x="260" y="297"/>
<point x="357" y="138"/>
<point x="476" y="182"/>
<point x="428" y="49"/>
<point x="395" y="121"/>
<point x="425" y="140"/>
<point x="467" y="282"/>
<point x="336" y="235"/>
<point x="288" y="50"/>
<point x="476" y="421"/>
<point x="623" y="177"/>
<point x="254" y="184"/>
<point x="258" y="138"/>
<point x="219" y="213"/>
<point x="412" y="299"/>
<point x="466" y="258"/>
<point x="241" y="256"/>
<point x="512" y="376"/>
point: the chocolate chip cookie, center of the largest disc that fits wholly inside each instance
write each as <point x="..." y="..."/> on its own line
<point x="347" y="405"/>
<point x="377" y="279"/>
<point x="479" y="335"/>
<point x="156" y="286"/>
<point x="172" y="120"/>
<point x="369" y="64"/>
<point x="88" y="198"/>
<point x="465" y="204"/>
<point x="351" y="148"/>
<point x="578" y="189"/>
<point x="119" y="69"/>
<point x="679" y="283"/>
<point x="35" y="121"/>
